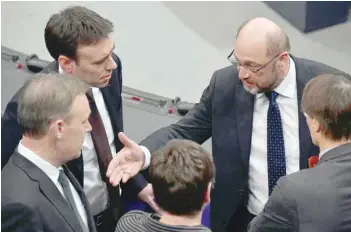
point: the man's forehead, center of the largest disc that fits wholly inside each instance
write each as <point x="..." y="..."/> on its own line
<point x="250" y="50"/>
<point x="96" y="50"/>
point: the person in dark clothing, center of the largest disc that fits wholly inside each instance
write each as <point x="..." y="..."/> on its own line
<point x="182" y="175"/>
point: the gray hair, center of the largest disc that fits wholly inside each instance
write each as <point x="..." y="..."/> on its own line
<point x="47" y="97"/>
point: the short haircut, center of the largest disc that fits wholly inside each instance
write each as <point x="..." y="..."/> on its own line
<point x="47" y="97"/>
<point x="74" y="26"/>
<point x="327" y="98"/>
<point x="276" y="42"/>
<point x="180" y="174"/>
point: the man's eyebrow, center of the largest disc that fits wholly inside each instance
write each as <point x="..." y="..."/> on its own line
<point x="250" y="62"/>
<point x="105" y="57"/>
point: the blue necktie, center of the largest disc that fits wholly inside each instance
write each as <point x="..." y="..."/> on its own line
<point x="275" y="142"/>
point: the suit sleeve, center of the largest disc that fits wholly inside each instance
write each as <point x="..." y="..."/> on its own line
<point x="196" y="125"/>
<point x="10" y="131"/>
<point x="279" y="213"/>
<point x="16" y="217"/>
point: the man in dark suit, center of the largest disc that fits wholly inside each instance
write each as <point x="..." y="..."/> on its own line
<point x="81" y="43"/>
<point x="319" y="198"/>
<point x="38" y="192"/>
<point x="242" y="108"/>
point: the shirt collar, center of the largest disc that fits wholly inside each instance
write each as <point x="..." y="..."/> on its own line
<point x="60" y="70"/>
<point x="321" y="153"/>
<point x="51" y="171"/>
<point x="288" y="86"/>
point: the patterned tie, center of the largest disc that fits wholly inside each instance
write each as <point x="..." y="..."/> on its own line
<point x="275" y="142"/>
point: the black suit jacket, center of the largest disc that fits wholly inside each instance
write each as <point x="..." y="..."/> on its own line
<point x="225" y="112"/>
<point x="312" y="200"/>
<point x="31" y="201"/>
<point x="11" y="131"/>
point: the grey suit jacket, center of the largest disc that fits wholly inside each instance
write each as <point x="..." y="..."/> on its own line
<point x="31" y="201"/>
<point x="313" y="200"/>
<point x="225" y="112"/>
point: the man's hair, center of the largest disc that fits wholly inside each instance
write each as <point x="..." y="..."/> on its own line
<point x="276" y="42"/>
<point x="47" y="97"/>
<point x="327" y="98"/>
<point x="74" y="26"/>
<point x="180" y="174"/>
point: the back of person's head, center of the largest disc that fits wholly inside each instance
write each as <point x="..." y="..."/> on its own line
<point x="181" y="174"/>
<point x="45" y="98"/>
<point x="327" y="99"/>
<point x="74" y="26"/>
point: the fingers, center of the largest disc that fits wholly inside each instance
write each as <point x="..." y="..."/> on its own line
<point x="125" y="177"/>
<point x="116" y="176"/>
<point x="114" y="163"/>
<point x="127" y="142"/>
<point x="154" y="206"/>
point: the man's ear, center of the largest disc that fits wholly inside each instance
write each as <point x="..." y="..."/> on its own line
<point x="59" y="128"/>
<point x="317" y="127"/>
<point x="66" y="64"/>
<point x="207" y="197"/>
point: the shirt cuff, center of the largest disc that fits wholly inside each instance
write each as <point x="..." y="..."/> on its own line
<point x="147" y="155"/>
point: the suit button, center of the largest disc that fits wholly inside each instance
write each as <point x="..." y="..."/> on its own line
<point x="241" y="191"/>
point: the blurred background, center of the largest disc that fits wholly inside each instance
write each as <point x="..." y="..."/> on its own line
<point x="172" y="48"/>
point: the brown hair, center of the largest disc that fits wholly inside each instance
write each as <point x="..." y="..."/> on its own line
<point x="75" y="25"/>
<point x="180" y="174"/>
<point x="327" y="98"/>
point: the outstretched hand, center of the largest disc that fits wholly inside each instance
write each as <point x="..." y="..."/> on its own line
<point x="127" y="162"/>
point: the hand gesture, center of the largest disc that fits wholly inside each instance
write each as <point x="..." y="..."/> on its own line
<point x="127" y="162"/>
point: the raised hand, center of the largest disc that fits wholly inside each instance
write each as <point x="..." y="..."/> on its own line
<point x="127" y="162"/>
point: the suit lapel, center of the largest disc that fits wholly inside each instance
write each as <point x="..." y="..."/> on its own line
<point x="303" y="75"/>
<point x="244" y="103"/>
<point x="49" y="190"/>
<point x="111" y="102"/>
<point x="75" y="183"/>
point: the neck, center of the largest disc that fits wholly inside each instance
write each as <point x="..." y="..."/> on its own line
<point x="176" y="220"/>
<point x="282" y="74"/>
<point x="41" y="147"/>
<point x="326" y="144"/>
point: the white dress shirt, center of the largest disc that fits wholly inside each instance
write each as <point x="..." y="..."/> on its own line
<point x="53" y="173"/>
<point x="258" y="168"/>
<point x="94" y="188"/>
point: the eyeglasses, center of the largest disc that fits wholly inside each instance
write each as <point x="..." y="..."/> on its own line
<point x="254" y="69"/>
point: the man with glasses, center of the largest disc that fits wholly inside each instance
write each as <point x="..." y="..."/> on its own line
<point x="252" y="112"/>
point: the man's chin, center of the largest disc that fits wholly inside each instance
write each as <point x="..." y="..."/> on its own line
<point x="253" y="90"/>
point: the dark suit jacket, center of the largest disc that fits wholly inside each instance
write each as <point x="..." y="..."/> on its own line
<point x="225" y="112"/>
<point x="11" y="131"/>
<point x="312" y="200"/>
<point x="31" y="201"/>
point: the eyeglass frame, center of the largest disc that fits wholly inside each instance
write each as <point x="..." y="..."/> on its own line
<point x="252" y="69"/>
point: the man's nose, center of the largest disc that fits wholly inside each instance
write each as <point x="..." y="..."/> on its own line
<point x="112" y="64"/>
<point x="243" y="73"/>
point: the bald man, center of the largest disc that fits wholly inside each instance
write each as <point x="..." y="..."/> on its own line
<point x="251" y="110"/>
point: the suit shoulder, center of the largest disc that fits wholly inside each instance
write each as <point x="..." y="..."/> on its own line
<point x="225" y="77"/>
<point x="320" y="68"/>
<point x="13" y="181"/>
<point x="302" y="183"/>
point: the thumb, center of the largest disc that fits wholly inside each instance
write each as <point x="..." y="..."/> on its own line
<point x="127" y="142"/>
